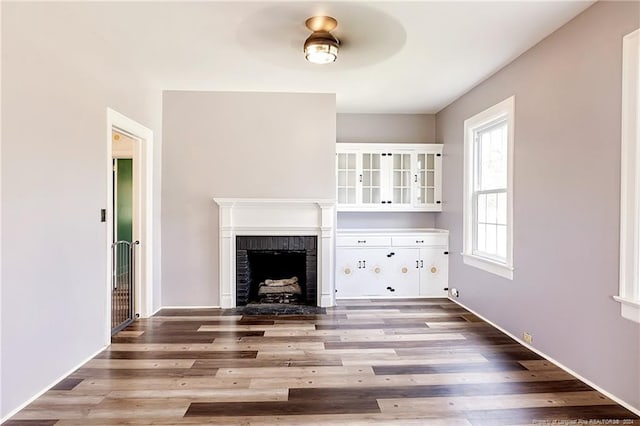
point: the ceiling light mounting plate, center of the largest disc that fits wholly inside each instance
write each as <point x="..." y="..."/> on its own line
<point x="321" y="47"/>
<point x="321" y="23"/>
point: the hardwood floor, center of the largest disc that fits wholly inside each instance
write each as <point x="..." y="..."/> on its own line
<point x="368" y="361"/>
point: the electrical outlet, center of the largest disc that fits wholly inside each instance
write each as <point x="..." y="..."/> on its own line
<point x="528" y="338"/>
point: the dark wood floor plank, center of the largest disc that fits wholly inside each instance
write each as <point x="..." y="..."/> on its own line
<point x="67" y="384"/>
<point x="176" y="354"/>
<point x="282" y="408"/>
<point x="425" y="391"/>
<point x="450" y="368"/>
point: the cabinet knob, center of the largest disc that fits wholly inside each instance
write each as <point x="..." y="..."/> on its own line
<point x="362" y="241"/>
<point x="347" y="271"/>
<point x="433" y="269"/>
<point x="405" y="269"/>
<point x="419" y="241"/>
<point x="376" y="270"/>
<point x="438" y="202"/>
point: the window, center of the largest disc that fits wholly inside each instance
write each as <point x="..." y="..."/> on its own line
<point x="488" y="195"/>
<point x="629" y="296"/>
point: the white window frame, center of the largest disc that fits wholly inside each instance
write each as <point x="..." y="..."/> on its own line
<point x="500" y="111"/>
<point x="629" y="294"/>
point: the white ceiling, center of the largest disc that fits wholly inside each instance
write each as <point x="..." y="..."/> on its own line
<point x="396" y="57"/>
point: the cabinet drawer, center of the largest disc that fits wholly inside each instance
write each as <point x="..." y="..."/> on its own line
<point x="362" y="241"/>
<point x="424" y="240"/>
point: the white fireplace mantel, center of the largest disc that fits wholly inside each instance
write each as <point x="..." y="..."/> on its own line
<point x="266" y="216"/>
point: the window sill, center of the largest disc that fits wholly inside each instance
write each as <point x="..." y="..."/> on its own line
<point x="629" y="308"/>
<point x="487" y="265"/>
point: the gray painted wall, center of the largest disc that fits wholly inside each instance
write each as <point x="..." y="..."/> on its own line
<point x="566" y="203"/>
<point x="386" y="128"/>
<point x="236" y="145"/>
<point x="54" y="183"/>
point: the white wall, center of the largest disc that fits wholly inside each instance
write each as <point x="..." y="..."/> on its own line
<point x="386" y="128"/>
<point x="568" y="98"/>
<point x="54" y="183"/>
<point x="243" y="145"/>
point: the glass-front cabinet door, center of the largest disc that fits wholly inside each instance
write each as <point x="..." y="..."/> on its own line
<point x="346" y="178"/>
<point x="371" y="178"/>
<point x="426" y="179"/>
<point x="401" y="178"/>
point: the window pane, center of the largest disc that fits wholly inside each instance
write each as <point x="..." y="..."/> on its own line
<point x="342" y="178"/>
<point x="342" y="196"/>
<point x="352" y="161"/>
<point x="430" y="161"/>
<point x="430" y="179"/>
<point x="481" y="208"/>
<point x="431" y="197"/>
<point x="481" y="238"/>
<point x="342" y="163"/>
<point x="491" y="239"/>
<point x="351" y="178"/>
<point x="491" y="208"/>
<point x="375" y="163"/>
<point x="492" y="157"/>
<point x="375" y="196"/>
<point x="502" y="242"/>
<point x="502" y="208"/>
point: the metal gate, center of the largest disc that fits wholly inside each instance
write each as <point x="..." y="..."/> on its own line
<point x="122" y="284"/>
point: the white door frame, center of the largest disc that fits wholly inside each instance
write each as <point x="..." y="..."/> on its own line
<point x="143" y="174"/>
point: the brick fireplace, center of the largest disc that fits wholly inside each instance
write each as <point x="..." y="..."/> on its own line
<point x="301" y="229"/>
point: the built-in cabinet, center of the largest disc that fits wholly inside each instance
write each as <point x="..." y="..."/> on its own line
<point x="389" y="177"/>
<point x="392" y="263"/>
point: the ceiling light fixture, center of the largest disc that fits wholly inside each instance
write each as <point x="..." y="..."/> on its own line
<point x="321" y="47"/>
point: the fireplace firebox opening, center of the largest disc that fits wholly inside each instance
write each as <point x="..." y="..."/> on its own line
<point x="280" y="270"/>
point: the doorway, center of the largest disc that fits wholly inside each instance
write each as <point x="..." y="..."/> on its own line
<point x="129" y="222"/>
<point x="124" y="263"/>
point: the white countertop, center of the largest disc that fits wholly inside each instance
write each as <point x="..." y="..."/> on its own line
<point x="391" y="231"/>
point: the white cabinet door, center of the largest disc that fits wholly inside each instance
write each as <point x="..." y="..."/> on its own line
<point x="372" y="178"/>
<point x="404" y="272"/>
<point x="427" y="180"/>
<point x="347" y="177"/>
<point x="400" y="164"/>
<point x="433" y="272"/>
<point x="361" y="271"/>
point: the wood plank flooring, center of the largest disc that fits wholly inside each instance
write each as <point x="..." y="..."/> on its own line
<point x="368" y="361"/>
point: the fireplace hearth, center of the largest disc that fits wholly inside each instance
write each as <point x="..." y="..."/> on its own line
<point x="276" y="270"/>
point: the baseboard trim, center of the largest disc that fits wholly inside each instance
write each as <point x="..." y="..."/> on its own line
<point x="386" y="297"/>
<point x="558" y="364"/>
<point x="187" y="307"/>
<point x="52" y="384"/>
